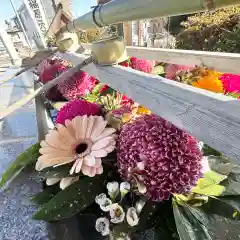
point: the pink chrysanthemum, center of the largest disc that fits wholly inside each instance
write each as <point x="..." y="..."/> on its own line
<point x="52" y="72"/>
<point x="141" y="64"/>
<point x="78" y="85"/>
<point x="77" y="108"/>
<point x="159" y="157"/>
<point x="173" y="69"/>
<point x="231" y="82"/>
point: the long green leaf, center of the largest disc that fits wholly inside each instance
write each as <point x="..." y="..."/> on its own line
<point x="226" y="207"/>
<point x="71" y="200"/>
<point x="47" y="194"/>
<point x="56" y="172"/>
<point x="28" y="157"/>
<point x="207" y="150"/>
<point x="188" y="226"/>
<point x="220" y="164"/>
<point x="232" y="183"/>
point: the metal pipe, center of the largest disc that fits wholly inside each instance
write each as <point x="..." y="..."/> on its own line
<point x="21" y="25"/>
<point x="118" y="11"/>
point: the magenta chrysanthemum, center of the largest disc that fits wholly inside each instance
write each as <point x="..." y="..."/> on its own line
<point x="154" y="153"/>
<point x="141" y="64"/>
<point x="78" y="85"/>
<point x="231" y="82"/>
<point x="77" y="108"/>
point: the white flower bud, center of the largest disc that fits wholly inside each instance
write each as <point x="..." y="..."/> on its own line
<point x="132" y="217"/>
<point x="139" y="205"/>
<point x="125" y="187"/>
<point x="113" y="189"/>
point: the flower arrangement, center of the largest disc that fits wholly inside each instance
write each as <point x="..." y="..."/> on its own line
<point x="129" y="169"/>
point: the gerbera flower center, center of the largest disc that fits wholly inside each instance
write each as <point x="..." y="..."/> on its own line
<point x="81" y="148"/>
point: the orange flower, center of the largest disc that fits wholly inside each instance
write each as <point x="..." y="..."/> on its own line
<point x="209" y="81"/>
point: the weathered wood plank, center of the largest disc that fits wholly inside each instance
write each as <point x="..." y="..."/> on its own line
<point x="223" y="62"/>
<point x="212" y="118"/>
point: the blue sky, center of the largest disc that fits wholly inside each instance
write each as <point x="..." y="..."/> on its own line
<point x="79" y="8"/>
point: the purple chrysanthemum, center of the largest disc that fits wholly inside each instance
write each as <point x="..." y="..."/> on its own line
<point x="78" y="85"/>
<point x="154" y="153"/>
<point x="77" y="108"/>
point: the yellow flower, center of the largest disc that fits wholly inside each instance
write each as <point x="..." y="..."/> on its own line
<point x="209" y="81"/>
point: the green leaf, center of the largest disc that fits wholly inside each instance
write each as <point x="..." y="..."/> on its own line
<point x="162" y="232"/>
<point x="227" y="207"/>
<point x="158" y="70"/>
<point x="220" y="164"/>
<point x="56" y="172"/>
<point x="215" y="190"/>
<point x="207" y="150"/>
<point x="47" y="194"/>
<point x="149" y="215"/>
<point x="71" y="200"/>
<point x="28" y="157"/>
<point x="166" y="226"/>
<point x="232" y="183"/>
<point x="233" y="94"/>
<point x="209" y="184"/>
<point x="92" y="98"/>
<point x="97" y="88"/>
<point x="188" y="226"/>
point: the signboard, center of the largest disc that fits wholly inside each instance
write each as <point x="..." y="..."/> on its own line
<point x="39" y="15"/>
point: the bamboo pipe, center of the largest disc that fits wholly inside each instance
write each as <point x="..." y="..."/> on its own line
<point x="117" y="11"/>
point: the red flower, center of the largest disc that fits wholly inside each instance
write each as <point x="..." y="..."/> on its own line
<point x="126" y="100"/>
<point x="104" y="88"/>
<point x="124" y="64"/>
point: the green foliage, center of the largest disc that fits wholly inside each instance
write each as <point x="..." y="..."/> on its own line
<point x="71" y="200"/>
<point x="212" y="31"/>
<point x="27" y="158"/>
<point x="46" y="195"/>
<point x="209" y="184"/>
<point x="207" y="150"/>
<point x="56" y="172"/>
<point x="227" y="207"/>
<point x="158" y="70"/>
<point x="188" y="226"/>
